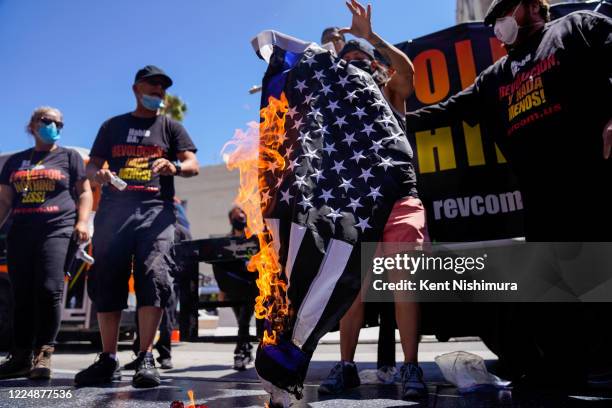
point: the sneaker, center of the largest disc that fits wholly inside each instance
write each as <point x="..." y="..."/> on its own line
<point x="146" y="375"/>
<point x="387" y="374"/>
<point x="105" y="370"/>
<point x="239" y="363"/>
<point x="342" y="377"/>
<point x="133" y="365"/>
<point x="42" y="363"/>
<point x="165" y="363"/>
<point x="243" y="355"/>
<point x="413" y="385"/>
<point x="17" y="364"/>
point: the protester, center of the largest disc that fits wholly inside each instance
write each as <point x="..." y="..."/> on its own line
<point x="546" y="105"/>
<point x="50" y="197"/>
<point x="145" y="149"/>
<point x="163" y="345"/>
<point x="334" y="36"/>
<point x="406" y="222"/>
<point x="238" y="285"/>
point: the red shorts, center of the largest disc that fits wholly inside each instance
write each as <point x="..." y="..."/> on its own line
<point x="406" y="222"/>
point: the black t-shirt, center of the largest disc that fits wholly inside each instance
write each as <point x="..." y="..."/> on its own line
<point x="546" y="105"/>
<point x="44" y="186"/>
<point x="130" y="145"/>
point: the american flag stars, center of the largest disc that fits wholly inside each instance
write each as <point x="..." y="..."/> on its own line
<point x="301" y="85"/>
<point x="341" y="126"/>
<point x="334" y="214"/>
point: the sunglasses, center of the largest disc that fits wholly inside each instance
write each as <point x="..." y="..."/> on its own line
<point x="47" y="121"/>
<point x="155" y="82"/>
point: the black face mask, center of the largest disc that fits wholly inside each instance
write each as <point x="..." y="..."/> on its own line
<point x="379" y="75"/>
<point x="238" y="224"/>
<point x="363" y="64"/>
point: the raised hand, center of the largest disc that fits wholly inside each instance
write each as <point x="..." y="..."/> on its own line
<point x="361" y="25"/>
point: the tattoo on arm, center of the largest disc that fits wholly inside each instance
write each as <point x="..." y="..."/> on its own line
<point x="381" y="44"/>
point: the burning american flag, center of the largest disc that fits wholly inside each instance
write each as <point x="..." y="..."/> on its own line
<point x="331" y="159"/>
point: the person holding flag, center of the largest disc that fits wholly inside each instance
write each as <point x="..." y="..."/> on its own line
<point x="348" y="179"/>
<point x="406" y="222"/>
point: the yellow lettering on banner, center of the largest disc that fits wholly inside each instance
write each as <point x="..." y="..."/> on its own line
<point x="500" y="156"/>
<point x="34" y="197"/>
<point x="131" y="173"/>
<point x="473" y="145"/>
<point x="435" y="143"/>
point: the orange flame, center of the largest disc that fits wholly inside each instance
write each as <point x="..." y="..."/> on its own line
<point x="254" y="154"/>
<point x="191" y="399"/>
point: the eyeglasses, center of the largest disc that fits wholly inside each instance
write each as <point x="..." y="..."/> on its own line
<point x="155" y="82"/>
<point x="47" y="121"/>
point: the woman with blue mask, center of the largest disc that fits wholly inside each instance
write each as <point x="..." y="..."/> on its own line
<point x="45" y="191"/>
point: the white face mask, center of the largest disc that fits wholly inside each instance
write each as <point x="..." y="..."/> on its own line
<point x="506" y="28"/>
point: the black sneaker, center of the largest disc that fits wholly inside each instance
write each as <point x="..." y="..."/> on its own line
<point x="146" y="375"/>
<point x="133" y="365"/>
<point x="165" y="363"/>
<point x="413" y="385"/>
<point x="342" y="377"/>
<point x="105" y="370"/>
<point x="17" y="364"/>
<point x="243" y="355"/>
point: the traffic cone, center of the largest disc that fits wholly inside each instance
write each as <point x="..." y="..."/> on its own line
<point x="176" y="336"/>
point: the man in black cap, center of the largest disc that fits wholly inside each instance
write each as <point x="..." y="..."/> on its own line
<point x="134" y="224"/>
<point x="546" y="105"/>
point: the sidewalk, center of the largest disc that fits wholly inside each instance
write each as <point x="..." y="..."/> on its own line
<point x="206" y="369"/>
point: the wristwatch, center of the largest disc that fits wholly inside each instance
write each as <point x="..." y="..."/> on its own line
<point x="178" y="167"/>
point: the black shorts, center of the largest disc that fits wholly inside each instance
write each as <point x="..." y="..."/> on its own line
<point x="125" y="231"/>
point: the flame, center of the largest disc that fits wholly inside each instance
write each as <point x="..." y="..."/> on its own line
<point x="192" y="404"/>
<point x="191" y="399"/>
<point x="255" y="153"/>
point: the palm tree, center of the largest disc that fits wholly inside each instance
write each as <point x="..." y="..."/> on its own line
<point x="174" y="107"/>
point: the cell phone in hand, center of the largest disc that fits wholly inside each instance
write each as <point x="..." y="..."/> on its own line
<point x="118" y="183"/>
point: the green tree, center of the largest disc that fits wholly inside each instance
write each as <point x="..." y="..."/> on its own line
<point x="174" y="107"/>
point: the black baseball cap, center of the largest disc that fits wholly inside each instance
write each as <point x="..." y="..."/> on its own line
<point x="497" y="8"/>
<point x="153" y="71"/>
<point x="354" y="45"/>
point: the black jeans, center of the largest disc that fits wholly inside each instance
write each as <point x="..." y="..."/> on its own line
<point x="36" y="260"/>
<point x="243" y="315"/>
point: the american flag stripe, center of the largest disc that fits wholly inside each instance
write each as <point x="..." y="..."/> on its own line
<point x="321" y="289"/>
<point x="273" y="225"/>
<point x="295" y="241"/>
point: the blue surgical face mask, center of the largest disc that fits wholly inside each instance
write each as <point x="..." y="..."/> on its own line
<point x="49" y="133"/>
<point x="152" y="103"/>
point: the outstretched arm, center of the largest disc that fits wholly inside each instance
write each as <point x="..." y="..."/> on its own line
<point x="464" y="105"/>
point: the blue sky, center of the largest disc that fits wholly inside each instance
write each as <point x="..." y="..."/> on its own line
<point x="81" y="56"/>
